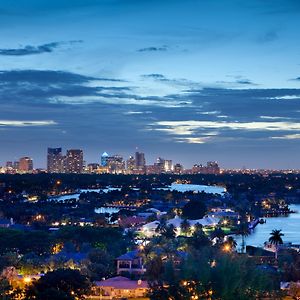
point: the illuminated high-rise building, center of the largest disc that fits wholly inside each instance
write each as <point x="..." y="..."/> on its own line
<point x="130" y="164"/>
<point x="178" y="169"/>
<point x="104" y="158"/>
<point x="213" y="167"/>
<point x="25" y="165"/>
<point x="115" y="164"/>
<point x="92" y="168"/>
<point x="168" y="165"/>
<point x="74" y="161"/>
<point x="54" y="160"/>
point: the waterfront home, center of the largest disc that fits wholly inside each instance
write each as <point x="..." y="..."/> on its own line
<point x="149" y="229"/>
<point x="130" y="263"/>
<point x="206" y="221"/>
<point x="285" y="246"/>
<point x="260" y="255"/>
<point x="224" y="213"/>
<point x="119" y="287"/>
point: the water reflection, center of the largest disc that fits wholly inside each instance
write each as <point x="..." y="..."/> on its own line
<point x="290" y="226"/>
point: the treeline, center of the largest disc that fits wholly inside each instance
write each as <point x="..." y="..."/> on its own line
<point x="235" y="183"/>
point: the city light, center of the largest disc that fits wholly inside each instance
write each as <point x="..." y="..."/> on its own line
<point x="27" y="280"/>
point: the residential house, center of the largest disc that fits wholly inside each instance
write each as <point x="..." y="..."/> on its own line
<point x="130" y="262"/>
<point x="119" y="287"/>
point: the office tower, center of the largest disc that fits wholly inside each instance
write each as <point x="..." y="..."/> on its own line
<point x="115" y="164"/>
<point x="140" y="162"/>
<point x="74" y="161"/>
<point x="92" y="168"/>
<point x="54" y="160"/>
<point x="198" y="169"/>
<point x="130" y="164"/>
<point x="178" y="169"/>
<point x="168" y="165"/>
<point x="104" y="158"/>
<point x="9" y="167"/>
<point x="25" y="165"/>
<point x="213" y="167"/>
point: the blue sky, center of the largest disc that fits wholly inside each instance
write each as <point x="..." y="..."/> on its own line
<point x="188" y="80"/>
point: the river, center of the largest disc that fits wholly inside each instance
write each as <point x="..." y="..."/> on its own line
<point x="290" y="226"/>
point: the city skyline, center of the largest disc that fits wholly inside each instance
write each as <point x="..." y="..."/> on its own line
<point x="73" y="161"/>
<point x="191" y="80"/>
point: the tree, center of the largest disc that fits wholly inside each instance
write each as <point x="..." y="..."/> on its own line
<point x="244" y="231"/>
<point x="98" y="265"/>
<point x="154" y="270"/>
<point x="230" y="244"/>
<point x="194" y="210"/>
<point x="166" y="230"/>
<point x="218" y="233"/>
<point x="276" y="239"/>
<point x="61" y="284"/>
<point x="199" y="238"/>
<point x="162" y="225"/>
<point x="185" y="227"/>
<point x="169" y="232"/>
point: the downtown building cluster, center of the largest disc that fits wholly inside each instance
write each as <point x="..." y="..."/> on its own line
<point x="72" y="162"/>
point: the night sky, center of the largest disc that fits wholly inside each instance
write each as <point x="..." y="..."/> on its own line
<point x="188" y="80"/>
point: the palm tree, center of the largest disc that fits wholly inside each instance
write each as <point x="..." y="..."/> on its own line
<point x="161" y="226"/>
<point x="219" y="234"/>
<point x="169" y="232"/>
<point x="185" y="227"/>
<point x="231" y="242"/>
<point x="244" y="231"/>
<point x="275" y="239"/>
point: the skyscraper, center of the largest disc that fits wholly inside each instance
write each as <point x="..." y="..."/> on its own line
<point x="140" y="162"/>
<point x="115" y="164"/>
<point x="74" y="161"/>
<point x="130" y="164"/>
<point x="25" y="165"/>
<point x="54" y="160"/>
<point x="168" y="165"/>
<point x="104" y="158"/>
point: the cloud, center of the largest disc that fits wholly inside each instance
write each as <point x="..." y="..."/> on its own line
<point x="137" y="112"/>
<point x="192" y="127"/>
<point x="295" y="136"/>
<point x="239" y="81"/>
<point x="193" y="140"/>
<point x="245" y="81"/>
<point x="154" y="76"/>
<point x="31" y="50"/>
<point x="274" y="118"/>
<point x="43" y="76"/>
<point x="59" y="87"/>
<point x="215" y="112"/>
<point x="153" y="49"/>
<point x="12" y="123"/>
<point x="284" y="97"/>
